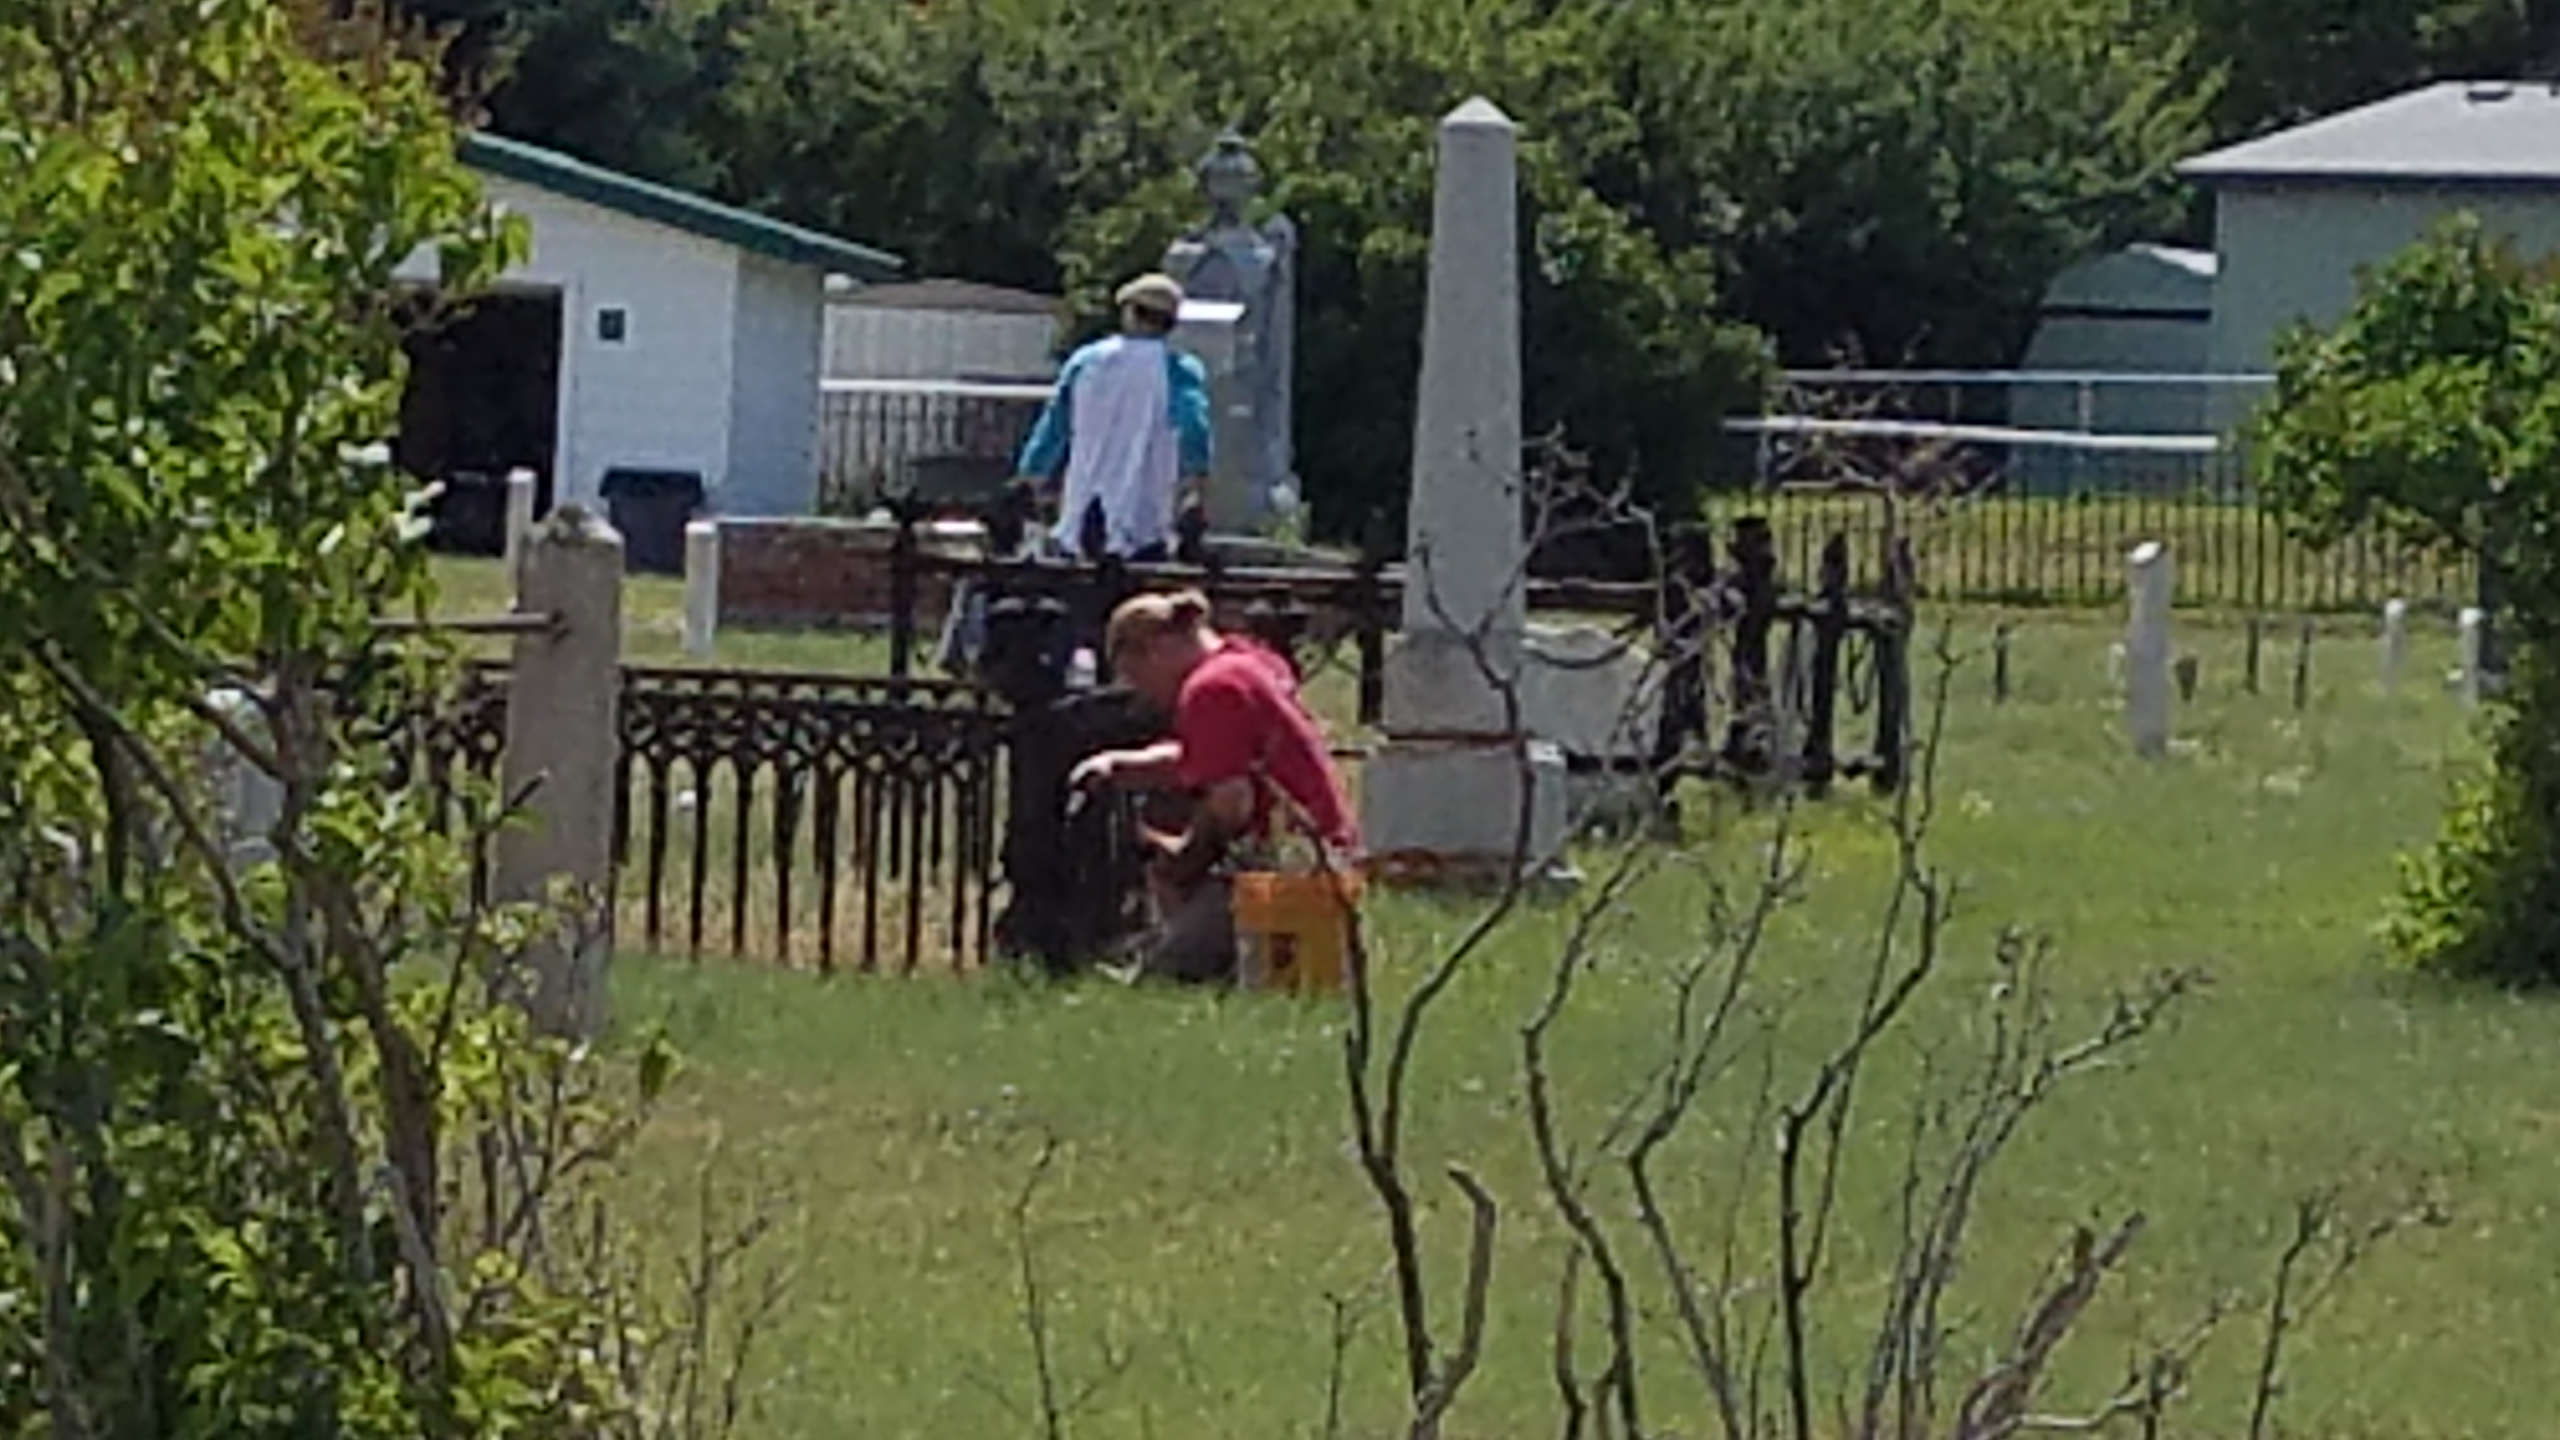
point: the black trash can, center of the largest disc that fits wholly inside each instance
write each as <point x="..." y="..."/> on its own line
<point x="650" y="508"/>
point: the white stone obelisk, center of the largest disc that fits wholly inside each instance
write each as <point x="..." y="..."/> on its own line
<point x="1458" y="775"/>
<point x="2147" y="650"/>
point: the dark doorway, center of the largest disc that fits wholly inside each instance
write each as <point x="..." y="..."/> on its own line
<point x="483" y="399"/>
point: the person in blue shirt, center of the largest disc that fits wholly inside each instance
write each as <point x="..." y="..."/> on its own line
<point x="1127" y="428"/>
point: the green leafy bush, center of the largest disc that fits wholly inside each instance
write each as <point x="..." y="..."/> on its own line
<point x="2433" y="411"/>
<point x="273" y="1162"/>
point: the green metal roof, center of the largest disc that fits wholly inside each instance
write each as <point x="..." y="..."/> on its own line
<point x="628" y="195"/>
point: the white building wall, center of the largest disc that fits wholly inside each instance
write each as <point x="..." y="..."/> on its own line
<point x="773" y="403"/>
<point x="876" y="342"/>
<point x="2291" y="252"/>
<point x="661" y="398"/>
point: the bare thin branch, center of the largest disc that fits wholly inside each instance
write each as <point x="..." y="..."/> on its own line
<point x="1459" y="1366"/>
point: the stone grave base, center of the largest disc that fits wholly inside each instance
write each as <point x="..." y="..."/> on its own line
<point x="1455" y="805"/>
<point x="1601" y="702"/>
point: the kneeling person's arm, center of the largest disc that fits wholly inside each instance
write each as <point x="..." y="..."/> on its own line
<point x="1155" y="767"/>
<point x="1224" y="813"/>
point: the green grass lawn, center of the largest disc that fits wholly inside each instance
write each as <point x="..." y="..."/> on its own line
<point x="653" y="625"/>
<point x="1205" y="1204"/>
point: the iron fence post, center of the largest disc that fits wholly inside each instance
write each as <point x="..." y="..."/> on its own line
<point x="1830" y="629"/>
<point x="902" y="587"/>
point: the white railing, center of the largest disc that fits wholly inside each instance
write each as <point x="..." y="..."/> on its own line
<point x="873" y="433"/>
<point x="2097" y="378"/>
<point x="1923" y="431"/>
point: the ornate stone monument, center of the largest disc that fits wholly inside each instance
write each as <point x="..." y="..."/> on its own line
<point x="1240" y="318"/>
<point x="1459" y="774"/>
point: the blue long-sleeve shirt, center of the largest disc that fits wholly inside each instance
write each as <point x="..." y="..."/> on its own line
<point x="1128" y="421"/>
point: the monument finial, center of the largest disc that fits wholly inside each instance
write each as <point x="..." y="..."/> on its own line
<point x="1230" y="176"/>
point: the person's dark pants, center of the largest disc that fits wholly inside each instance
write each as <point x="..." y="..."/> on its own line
<point x="1194" y="939"/>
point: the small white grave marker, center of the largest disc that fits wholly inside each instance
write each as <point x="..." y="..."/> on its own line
<point x="2474" y="623"/>
<point x="2146" y="650"/>
<point x="701" y="586"/>
<point x="2395" y="643"/>
<point x="520" y="496"/>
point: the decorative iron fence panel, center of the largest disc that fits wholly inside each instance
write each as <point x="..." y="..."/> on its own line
<point x="806" y="816"/>
<point x="833" y="820"/>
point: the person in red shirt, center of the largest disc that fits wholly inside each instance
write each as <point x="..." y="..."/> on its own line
<point x="1245" y="749"/>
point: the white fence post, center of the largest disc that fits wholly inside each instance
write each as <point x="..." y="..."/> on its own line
<point x="2395" y="642"/>
<point x="564" y="695"/>
<point x="701" y="586"/>
<point x="2146" y="649"/>
<point x="520" y="496"/>
<point x="2474" y="623"/>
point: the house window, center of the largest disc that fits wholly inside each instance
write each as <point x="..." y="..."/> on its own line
<point x="613" y="324"/>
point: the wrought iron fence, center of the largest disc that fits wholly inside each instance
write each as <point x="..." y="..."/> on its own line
<point x="1752" y="684"/>
<point x="869" y="822"/>
<point x="794" y="816"/>
<point x="2027" y="487"/>
<point x="833" y="820"/>
<point x="1311" y="612"/>
<point x="1990" y="547"/>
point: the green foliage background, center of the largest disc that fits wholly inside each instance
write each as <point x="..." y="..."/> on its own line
<point x="1889" y="180"/>
<point x="1714" y="182"/>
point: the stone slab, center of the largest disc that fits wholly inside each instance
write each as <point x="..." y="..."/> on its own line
<point x="1592" y="694"/>
<point x="1460" y="803"/>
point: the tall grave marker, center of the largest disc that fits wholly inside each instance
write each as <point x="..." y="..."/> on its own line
<point x="1240" y="318"/>
<point x="1458" y="773"/>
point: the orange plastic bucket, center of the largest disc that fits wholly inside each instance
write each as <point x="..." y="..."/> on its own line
<point x="1293" y="931"/>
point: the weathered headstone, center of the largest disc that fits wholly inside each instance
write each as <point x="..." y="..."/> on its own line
<point x="1598" y="699"/>
<point x="1459" y="774"/>
<point x="2395" y="642"/>
<point x="563" y="740"/>
<point x="1240" y="318"/>
<point x="2146" y="650"/>
<point x="701" y="586"/>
